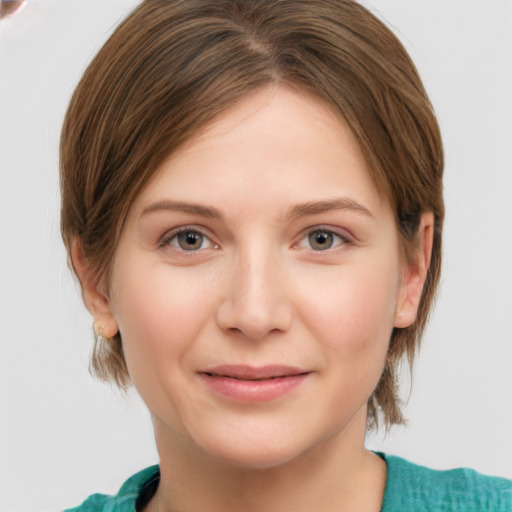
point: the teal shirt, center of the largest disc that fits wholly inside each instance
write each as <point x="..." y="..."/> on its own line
<point x="409" y="488"/>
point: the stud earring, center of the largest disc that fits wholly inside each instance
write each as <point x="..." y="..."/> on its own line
<point x="99" y="328"/>
<point x="105" y="328"/>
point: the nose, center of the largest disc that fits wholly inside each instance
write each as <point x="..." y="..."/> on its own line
<point x="256" y="301"/>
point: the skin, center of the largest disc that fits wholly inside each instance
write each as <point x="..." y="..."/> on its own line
<point x="297" y="262"/>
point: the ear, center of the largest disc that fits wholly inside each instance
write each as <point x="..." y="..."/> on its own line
<point x="93" y="293"/>
<point x="415" y="273"/>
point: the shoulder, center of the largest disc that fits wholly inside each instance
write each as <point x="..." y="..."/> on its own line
<point x="128" y="496"/>
<point x="413" y="487"/>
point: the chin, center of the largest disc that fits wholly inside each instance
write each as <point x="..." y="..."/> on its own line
<point x="256" y="457"/>
<point x="259" y="450"/>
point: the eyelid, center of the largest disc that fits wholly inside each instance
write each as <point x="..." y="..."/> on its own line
<point x="165" y="239"/>
<point x="343" y="234"/>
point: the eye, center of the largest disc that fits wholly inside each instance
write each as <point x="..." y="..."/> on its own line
<point x="323" y="239"/>
<point x="189" y="240"/>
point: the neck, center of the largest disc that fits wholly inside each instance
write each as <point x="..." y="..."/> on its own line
<point x="336" y="475"/>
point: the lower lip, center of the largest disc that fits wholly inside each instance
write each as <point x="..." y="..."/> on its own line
<point x="252" y="390"/>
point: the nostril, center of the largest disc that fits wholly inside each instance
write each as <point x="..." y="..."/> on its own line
<point x="251" y="307"/>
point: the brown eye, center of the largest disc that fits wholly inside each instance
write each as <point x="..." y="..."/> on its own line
<point x="321" y="240"/>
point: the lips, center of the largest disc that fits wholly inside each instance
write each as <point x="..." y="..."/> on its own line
<point x="242" y="372"/>
<point x="253" y="384"/>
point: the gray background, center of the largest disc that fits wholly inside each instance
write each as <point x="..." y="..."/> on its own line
<point x="63" y="436"/>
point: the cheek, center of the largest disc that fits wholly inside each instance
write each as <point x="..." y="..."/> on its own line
<point x="159" y="312"/>
<point x="353" y="309"/>
<point x="355" y="321"/>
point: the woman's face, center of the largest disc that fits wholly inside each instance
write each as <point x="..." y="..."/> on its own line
<point x="257" y="282"/>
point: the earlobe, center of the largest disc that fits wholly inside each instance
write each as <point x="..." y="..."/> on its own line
<point x="95" y="298"/>
<point x="413" y="280"/>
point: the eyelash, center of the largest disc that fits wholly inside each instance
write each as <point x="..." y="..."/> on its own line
<point x="342" y="239"/>
<point x="337" y="239"/>
<point x="168" y="239"/>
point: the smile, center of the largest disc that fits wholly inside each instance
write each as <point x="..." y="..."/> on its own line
<point x="251" y="380"/>
<point x="248" y="384"/>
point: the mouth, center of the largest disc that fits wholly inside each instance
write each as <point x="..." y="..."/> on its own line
<point x="254" y="374"/>
<point x="249" y="384"/>
<point x="256" y="379"/>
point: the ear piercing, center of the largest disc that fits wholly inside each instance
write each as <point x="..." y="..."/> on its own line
<point x="105" y="328"/>
<point x="99" y="328"/>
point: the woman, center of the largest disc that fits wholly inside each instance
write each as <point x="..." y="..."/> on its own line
<point x="252" y="201"/>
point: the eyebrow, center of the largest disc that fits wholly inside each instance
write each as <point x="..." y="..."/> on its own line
<point x="317" y="207"/>
<point x="195" y="209"/>
<point x="294" y="212"/>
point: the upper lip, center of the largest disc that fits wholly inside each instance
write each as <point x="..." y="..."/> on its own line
<point x="246" y="372"/>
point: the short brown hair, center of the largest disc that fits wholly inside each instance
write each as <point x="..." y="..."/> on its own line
<point x="172" y="66"/>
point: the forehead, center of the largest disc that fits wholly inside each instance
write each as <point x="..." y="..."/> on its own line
<point x="275" y="141"/>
